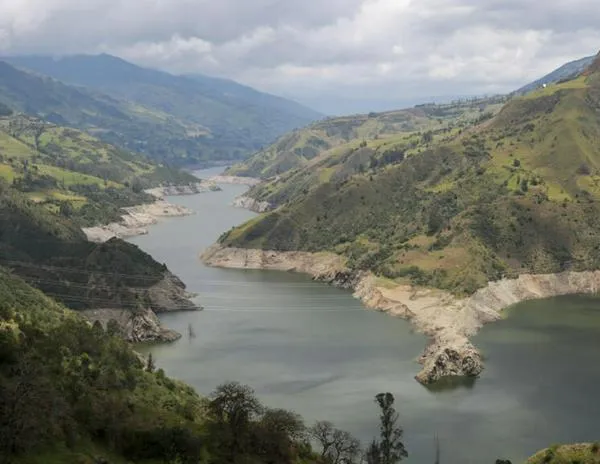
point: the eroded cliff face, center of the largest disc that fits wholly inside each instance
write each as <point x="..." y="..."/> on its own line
<point x="140" y="326"/>
<point x="448" y="321"/>
<point x="170" y="295"/>
<point x="252" y="204"/>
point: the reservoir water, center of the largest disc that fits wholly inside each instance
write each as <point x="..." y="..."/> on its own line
<point x="314" y="349"/>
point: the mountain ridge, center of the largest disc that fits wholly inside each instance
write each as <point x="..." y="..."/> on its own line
<point x="177" y="119"/>
<point x="464" y="211"/>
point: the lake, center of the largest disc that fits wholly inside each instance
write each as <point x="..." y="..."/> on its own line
<point x="314" y="349"/>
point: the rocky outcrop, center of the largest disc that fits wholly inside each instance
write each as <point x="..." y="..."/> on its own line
<point x="237" y="180"/>
<point x="140" y="326"/>
<point x="135" y="221"/>
<point x="252" y="204"/>
<point x="169" y="295"/>
<point x="448" y="321"/>
<point x="177" y="190"/>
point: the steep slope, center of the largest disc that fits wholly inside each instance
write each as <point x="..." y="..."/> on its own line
<point x="69" y="169"/>
<point x="565" y="71"/>
<point x="52" y="253"/>
<point x="73" y="392"/>
<point x="115" y="121"/>
<point x="516" y="194"/>
<point x="226" y="120"/>
<point x="403" y="128"/>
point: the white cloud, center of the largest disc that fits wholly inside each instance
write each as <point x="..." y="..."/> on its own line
<point x="338" y="50"/>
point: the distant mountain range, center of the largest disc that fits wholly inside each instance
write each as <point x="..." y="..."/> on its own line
<point x="179" y="119"/>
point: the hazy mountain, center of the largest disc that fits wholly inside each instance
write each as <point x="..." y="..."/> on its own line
<point x="210" y="118"/>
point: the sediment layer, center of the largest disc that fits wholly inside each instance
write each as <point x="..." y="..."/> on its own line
<point x="448" y="321"/>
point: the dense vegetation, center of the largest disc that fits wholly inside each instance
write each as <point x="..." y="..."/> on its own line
<point x="52" y="253"/>
<point x="386" y="132"/>
<point x="72" y="392"/>
<point x="75" y="174"/>
<point x="517" y="193"/>
<point x="180" y="120"/>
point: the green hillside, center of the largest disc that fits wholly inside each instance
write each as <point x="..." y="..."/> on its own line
<point x="71" y="392"/>
<point x="52" y="253"/>
<point x="514" y="194"/>
<point x="69" y="169"/>
<point x="183" y="120"/>
<point x="383" y="131"/>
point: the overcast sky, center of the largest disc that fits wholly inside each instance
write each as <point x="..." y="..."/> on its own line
<point x="334" y="55"/>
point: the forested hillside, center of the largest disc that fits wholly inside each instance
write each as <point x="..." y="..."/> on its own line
<point x="517" y="193"/>
<point x="176" y="119"/>
<point x="75" y="174"/>
<point x="382" y="131"/>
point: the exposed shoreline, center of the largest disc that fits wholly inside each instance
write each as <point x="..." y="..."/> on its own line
<point x="167" y="295"/>
<point x="135" y="221"/>
<point x="448" y="321"/>
<point x="234" y="180"/>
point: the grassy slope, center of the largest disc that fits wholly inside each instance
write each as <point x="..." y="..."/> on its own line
<point x="32" y="324"/>
<point x="51" y="253"/>
<point x="515" y="194"/>
<point x="297" y="148"/>
<point x="568" y="454"/>
<point x="55" y="164"/>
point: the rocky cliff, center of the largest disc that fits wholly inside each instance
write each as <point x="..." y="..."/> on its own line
<point x="141" y="326"/>
<point x="448" y="321"/>
<point x="252" y="204"/>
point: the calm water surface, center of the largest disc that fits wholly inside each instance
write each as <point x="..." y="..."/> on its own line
<point x="314" y="349"/>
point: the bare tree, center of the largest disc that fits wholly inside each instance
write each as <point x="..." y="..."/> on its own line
<point x="337" y="446"/>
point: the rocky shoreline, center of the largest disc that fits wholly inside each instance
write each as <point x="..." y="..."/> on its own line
<point x="177" y="190"/>
<point x="143" y="325"/>
<point x="252" y="204"/>
<point x="235" y="180"/>
<point x="169" y="294"/>
<point x="135" y="220"/>
<point x="448" y="321"/>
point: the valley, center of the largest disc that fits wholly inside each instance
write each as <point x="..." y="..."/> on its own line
<point x="316" y="349"/>
<point x="337" y="255"/>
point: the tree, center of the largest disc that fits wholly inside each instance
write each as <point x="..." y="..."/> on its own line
<point x="337" y="446"/>
<point x="373" y="453"/>
<point x="390" y="447"/>
<point x="276" y="434"/>
<point x="233" y="407"/>
<point x="150" y="366"/>
<point x="427" y="137"/>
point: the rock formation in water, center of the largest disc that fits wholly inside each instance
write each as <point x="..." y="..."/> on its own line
<point x="448" y="321"/>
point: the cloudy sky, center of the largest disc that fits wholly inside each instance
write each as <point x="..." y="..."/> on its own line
<point x="335" y="55"/>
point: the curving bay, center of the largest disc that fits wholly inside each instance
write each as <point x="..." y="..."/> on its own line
<point x="313" y="348"/>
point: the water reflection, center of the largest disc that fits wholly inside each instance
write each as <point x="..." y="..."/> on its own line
<point x="448" y="384"/>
